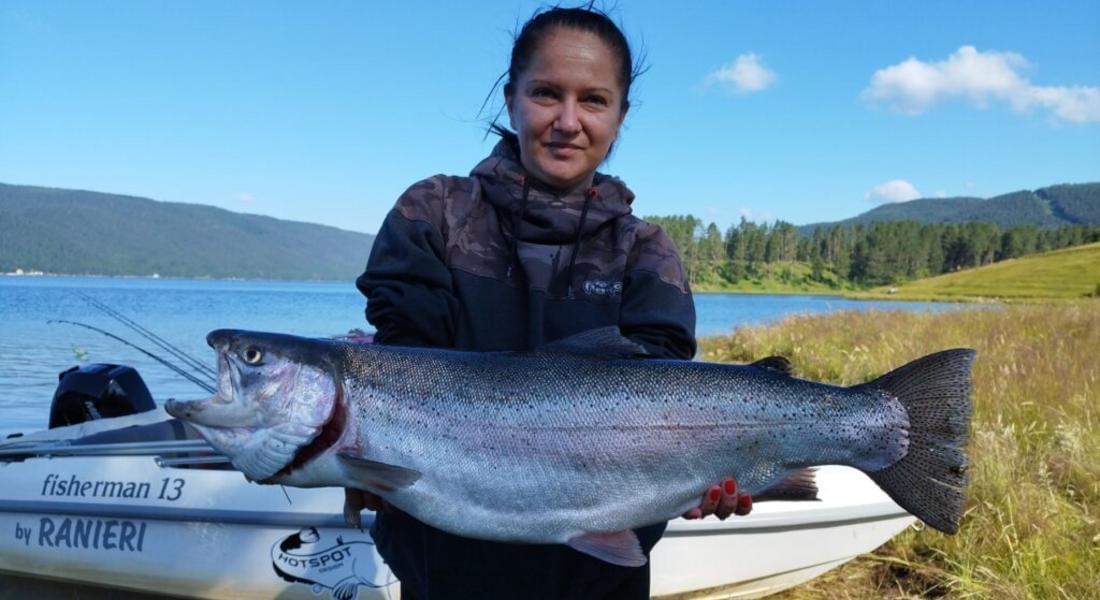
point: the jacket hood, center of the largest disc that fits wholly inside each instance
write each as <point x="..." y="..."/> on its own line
<point x="548" y="216"/>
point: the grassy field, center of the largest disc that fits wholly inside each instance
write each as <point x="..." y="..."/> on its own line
<point x="1069" y="273"/>
<point x="787" y="277"/>
<point x="1032" y="524"/>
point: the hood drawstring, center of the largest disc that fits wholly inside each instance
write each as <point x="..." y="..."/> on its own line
<point x="592" y="193"/>
<point x="516" y="224"/>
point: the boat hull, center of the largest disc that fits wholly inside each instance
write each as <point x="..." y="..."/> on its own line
<point x="187" y="532"/>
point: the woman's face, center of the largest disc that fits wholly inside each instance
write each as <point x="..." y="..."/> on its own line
<point x="566" y="108"/>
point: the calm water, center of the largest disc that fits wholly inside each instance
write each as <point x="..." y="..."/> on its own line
<point x="33" y="350"/>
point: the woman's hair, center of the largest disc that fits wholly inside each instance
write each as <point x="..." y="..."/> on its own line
<point x="587" y="19"/>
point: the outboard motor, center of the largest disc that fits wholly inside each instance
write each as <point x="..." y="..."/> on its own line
<point x="98" y="391"/>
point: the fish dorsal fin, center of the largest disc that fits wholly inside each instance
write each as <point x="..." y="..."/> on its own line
<point x="618" y="548"/>
<point x="602" y="342"/>
<point x="377" y="476"/>
<point x="775" y="364"/>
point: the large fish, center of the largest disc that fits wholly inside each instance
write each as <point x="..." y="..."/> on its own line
<point x="577" y="442"/>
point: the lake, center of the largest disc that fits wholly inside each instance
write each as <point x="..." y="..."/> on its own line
<point x="33" y="350"/>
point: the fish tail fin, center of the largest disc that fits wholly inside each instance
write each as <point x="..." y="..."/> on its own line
<point x="931" y="479"/>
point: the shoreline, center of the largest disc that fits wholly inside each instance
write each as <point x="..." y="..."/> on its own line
<point x="870" y="296"/>
<point x="848" y="294"/>
<point x="158" y="277"/>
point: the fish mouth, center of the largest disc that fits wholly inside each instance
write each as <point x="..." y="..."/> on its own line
<point x="189" y="410"/>
<point x="192" y="410"/>
<point x="178" y="408"/>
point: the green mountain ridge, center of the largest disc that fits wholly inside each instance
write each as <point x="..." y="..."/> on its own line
<point x="1053" y="206"/>
<point x="80" y="232"/>
<point x="92" y="233"/>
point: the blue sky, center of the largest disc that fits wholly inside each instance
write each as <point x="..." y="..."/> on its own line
<point x="326" y="111"/>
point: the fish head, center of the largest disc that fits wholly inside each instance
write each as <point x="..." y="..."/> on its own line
<point x="275" y="394"/>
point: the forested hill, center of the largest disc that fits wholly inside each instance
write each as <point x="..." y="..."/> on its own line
<point x="79" y="232"/>
<point x="1068" y="204"/>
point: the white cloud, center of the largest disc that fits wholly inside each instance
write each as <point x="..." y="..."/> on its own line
<point x="1077" y="104"/>
<point x="897" y="190"/>
<point x="745" y="75"/>
<point x="913" y="86"/>
<point x="246" y="198"/>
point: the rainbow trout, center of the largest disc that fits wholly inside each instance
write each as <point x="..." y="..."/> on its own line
<point x="542" y="446"/>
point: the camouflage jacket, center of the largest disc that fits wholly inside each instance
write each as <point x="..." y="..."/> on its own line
<point x="494" y="261"/>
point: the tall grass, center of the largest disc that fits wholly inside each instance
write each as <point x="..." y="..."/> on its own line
<point x="1032" y="524"/>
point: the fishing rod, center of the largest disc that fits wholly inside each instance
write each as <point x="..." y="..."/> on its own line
<point x="165" y="345"/>
<point x="188" y="376"/>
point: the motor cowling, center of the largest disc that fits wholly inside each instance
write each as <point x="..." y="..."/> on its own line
<point x="98" y="391"/>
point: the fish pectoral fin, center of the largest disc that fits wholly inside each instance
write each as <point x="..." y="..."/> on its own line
<point x="378" y="476"/>
<point x="775" y="364"/>
<point x="618" y="548"/>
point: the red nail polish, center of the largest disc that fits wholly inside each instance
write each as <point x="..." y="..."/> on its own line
<point x="715" y="495"/>
<point x="745" y="501"/>
<point x="731" y="487"/>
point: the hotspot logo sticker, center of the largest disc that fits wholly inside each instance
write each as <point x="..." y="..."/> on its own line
<point x="339" y="566"/>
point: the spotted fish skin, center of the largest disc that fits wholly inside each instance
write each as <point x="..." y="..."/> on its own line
<point x="584" y="438"/>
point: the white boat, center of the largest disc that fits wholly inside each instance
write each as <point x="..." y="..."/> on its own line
<point x="91" y="505"/>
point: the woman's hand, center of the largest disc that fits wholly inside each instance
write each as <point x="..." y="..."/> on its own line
<point x="356" y="500"/>
<point x="722" y="501"/>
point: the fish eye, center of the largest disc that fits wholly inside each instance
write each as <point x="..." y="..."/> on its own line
<point x="252" y="355"/>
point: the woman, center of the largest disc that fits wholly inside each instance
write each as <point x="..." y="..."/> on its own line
<point x="533" y="246"/>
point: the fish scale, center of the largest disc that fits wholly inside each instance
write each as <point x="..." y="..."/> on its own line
<point x="580" y="441"/>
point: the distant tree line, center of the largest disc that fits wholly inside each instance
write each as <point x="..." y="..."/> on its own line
<point x="877" y="253"/>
